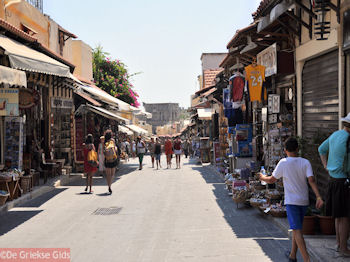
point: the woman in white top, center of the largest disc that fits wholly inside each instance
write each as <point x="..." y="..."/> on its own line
<point x="133" y="148"/>
<point x="141" y="150"/>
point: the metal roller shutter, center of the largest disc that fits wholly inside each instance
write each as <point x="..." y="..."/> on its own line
<point x="320" y="108"/>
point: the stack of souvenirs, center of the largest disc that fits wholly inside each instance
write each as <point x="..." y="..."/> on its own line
<point x="252" y="193"/>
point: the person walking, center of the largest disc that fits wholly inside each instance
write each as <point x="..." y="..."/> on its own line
<point x="90" y="161"/>
<point x="101" y="156"/>
<point x="168" y="148"/>
<point x="296" y="172"/>
<point x="151" y="147"/>
<point x="186" y="148"/>
<point x="334" y="154"/>
<point x="158" y="152"/>
<point x="111" y="157"/>
<point x="127" y="149"/>
<point x="133" y="148"/>
<point x="141" y="150"/>
<point x="178" y="152"/>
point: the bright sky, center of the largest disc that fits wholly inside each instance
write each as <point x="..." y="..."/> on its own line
<point x="163" y="39"/>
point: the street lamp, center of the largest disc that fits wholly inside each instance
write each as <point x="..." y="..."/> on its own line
<point x="322" y="26"/>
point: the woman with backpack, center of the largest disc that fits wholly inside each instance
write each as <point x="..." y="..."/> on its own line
<point x="111" y="158"/>
<point x="90" y="161"/>
<point x="141" y="150"/>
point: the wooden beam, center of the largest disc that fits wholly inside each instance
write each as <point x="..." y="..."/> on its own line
<point x="264" y="33"/>
<point x="306" y="9"/>
<point x="287" y="27"/>
<point x="297" y="19"/>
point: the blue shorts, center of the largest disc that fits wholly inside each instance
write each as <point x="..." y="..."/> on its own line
<point x="295" y="215"/>
<point x="158" y="157"/>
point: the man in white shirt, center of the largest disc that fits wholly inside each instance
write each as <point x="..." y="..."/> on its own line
<point x="296" y="171"/>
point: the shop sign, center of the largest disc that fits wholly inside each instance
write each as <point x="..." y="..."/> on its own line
<point x="268" y="58"/>
<point x="57" y="102"/>
<point x="9" y="102"/>
<point x="27" y="98"/>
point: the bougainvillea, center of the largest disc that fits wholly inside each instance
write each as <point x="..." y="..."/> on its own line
<point x="112" y="76"/>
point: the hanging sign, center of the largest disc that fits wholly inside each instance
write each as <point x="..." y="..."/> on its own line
<point x="27" y="98"/>
<point x="9" y="102"/>
<point x="62" y="103"/>
<point x="268" y="58"/>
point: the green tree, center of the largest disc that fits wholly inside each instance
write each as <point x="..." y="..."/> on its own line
<point x="112" y="76"/>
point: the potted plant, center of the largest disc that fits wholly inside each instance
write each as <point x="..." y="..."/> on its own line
<point x="309" y="222"/>
<point x="327" y="223"/>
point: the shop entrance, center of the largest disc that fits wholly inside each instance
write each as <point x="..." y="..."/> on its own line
<point x="320" y="108"/>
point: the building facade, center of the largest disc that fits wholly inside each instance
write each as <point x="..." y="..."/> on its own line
<point x="162" y="114"/>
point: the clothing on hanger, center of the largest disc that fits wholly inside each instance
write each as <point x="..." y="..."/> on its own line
<point x="237" y="83"/>
<point x="255" y="76"/>
<point x="227" y="98"/>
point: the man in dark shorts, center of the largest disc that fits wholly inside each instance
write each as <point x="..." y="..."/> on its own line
<point x="334" y="155"/>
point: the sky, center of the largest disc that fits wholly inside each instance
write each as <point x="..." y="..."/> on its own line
<point x="161" y="39"/>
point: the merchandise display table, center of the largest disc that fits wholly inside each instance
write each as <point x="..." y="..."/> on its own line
<point x="11" y="185"/>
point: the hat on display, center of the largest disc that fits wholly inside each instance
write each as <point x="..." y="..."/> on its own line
<point x="346" y="119"/>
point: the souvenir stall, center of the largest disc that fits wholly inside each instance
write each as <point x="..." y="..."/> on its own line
<point x="278" y="116"/>
<point x="11" y="133"/>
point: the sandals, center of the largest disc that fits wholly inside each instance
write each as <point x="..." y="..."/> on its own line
<point x="287" y="254"/>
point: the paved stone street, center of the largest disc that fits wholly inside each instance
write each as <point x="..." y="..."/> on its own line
<point x="164" y="215"/>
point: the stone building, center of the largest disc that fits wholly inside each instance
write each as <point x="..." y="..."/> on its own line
<point x="162" y="114"/>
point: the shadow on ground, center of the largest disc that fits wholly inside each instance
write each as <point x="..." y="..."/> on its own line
<point x="245" y="221"/>
<point x="15" y="218"/>
<point x="38" y="201"/>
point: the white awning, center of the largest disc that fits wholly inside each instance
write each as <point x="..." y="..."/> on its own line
<point x="137" y="129"/>
<point x="105" y="113"/>
<point x="106" y="97"/>
<point x="24" y="58"/>
<point x="125" y="130"/>
<point x="12" y="77"/>
<point x="204" y="113"/>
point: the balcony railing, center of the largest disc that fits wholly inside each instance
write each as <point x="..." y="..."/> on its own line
<point x="37" y="3"/>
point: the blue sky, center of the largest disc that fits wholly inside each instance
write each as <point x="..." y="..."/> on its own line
<point x="162" y="39"/>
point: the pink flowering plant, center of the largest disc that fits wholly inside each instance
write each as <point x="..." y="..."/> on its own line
<point x="112" y="76"/>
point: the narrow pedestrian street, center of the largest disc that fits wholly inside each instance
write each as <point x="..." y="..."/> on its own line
<point x="153" y="215"/>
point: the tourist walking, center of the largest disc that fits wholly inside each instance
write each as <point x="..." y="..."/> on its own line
<point x="296" y="172"/>
<point x="158" y="152"/>
<point x="334" y="153"/>
<point x="151" y="146"/>
<point x="90" y="161"/>
<point x="133" y="148"/>
<point x="127" y="149"/>
<point x="186" y="148"/>
<point x="168" y="148"/>
<point x="101" y="156"/>
<point x="177" y="151"/>
<point x="111" y="158"/>
<point x="141" y="150"/>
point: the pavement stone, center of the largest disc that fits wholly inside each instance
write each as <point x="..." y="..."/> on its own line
<point x="165" y="215"/>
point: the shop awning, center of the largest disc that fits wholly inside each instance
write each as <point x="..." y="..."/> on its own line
<point x="104" y="96"/>
<point x="125" y="130"/>
<point x="105" y="113"/>
<point x="12" y="77"/>
<point x="137" y="129"/>
<point x="204" y="113"/>
<point x="24" y="58"/>
<point x="87" y="98"/>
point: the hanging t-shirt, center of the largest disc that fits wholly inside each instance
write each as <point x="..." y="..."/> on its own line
<point x="237" y="86"/>
<point x="255" y="76"/>
<point x="227" y="98"/>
